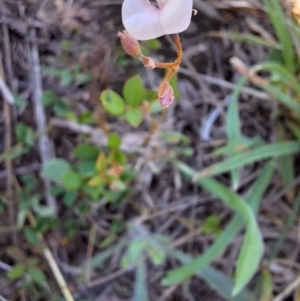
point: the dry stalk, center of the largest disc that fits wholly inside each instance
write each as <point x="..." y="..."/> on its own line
<point x="40" y="116"/>
<point x="8" y="163"/>
<point x="52" y="263"/>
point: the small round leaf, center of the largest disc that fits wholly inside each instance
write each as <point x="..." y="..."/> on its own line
<point x="114" y="140"/>
<point x="72" y="180"/>
<point x="55" y="169"/>
<point x="134" y="91"/>
<point x="112" y="102"/>
<point x="134" y="117"/>
<point x="86" y="151"/>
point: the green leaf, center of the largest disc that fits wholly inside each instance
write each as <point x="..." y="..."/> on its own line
<point x="134" y="117"/>
<point x="25" y="134"/>
<point x="156" y="254"/>
<point x="60" y="108"/>
<point x="86" y="151"/>
<point x="86" y="117"/>
<point x="257" y="154"/>
<point x="31" y="236"/>
<point x="112" y="102"/>
<point x="66" y="78"/>
<point x="118" y="156"/>
<point x="83" y="78"/>
<point x="52" y="71"/>
<point x="211" y="224"/>
<point x="69" y="198"/>
<point x="37" y="275"/>
<point x="114" y="140"/>
<point x="134" y="91"/>
<point x="20" y="101"/>
<point x="99" y="259"/>
<point x="118" y="185"/>
<point x="72" y="180"/>
<point x="16" y="272"/>
<point x="86" y="169"/>
<point x="95" y="181"/>
<point x="154" y="44"/>
<point x="55" y="169"/>
<point x="101" y="162"/>
<point x="134" y="252"/>
<point x="48" y="98"/>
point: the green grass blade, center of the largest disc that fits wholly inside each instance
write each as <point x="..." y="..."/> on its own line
<point x="257" y="154"/>
<point x="266" y="285"/>
<point x="286" y="163"/>
<point x="219" y="282"/>
<point x="249" y="257"/>
<point x="233" y="228"/>
<point x="252" y="247"/>
<point x="247" y="38"/>
<point x="294" y="127"/>
<point x="99" y="259"/>
<point x="282" y="98"/>
<point x="17" y="151"/>
<point x="233" y="127"/>
<point x="290" y="220"/>
<point x="140" y="286"/>
<point x="284" y="75"/>
<point x="278" y="20"/>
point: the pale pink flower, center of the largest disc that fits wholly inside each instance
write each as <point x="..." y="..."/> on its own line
<point x="144" y="21"/>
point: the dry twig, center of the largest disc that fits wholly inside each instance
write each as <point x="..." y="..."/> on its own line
<point x="44" y="141"/>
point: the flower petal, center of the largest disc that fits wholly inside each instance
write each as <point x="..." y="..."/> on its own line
<point x="176" y="16"/>
<point x="141" y="19"/>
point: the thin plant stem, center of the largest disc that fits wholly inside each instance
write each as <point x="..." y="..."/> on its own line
<point x="172" y="65"/>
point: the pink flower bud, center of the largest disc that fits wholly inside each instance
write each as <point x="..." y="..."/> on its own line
<point x="165" y="94"/>
<point x="130" y="45"/>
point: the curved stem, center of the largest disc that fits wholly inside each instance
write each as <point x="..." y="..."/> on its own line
<point x="170" y="65"/>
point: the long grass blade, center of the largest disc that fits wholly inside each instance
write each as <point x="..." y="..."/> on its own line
<point x="290" y="220"/>
<point x="247" y="38"/>
<point x="219" y="282"/>
<point x="257" y="154"/>
<point x="233" y="228"/>
<point x="285" y="75"/>
<point x="278" y="20"/>
<point x="233" y="127"/>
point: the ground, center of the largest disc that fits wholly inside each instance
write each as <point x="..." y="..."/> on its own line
<point x="56" y="59"/>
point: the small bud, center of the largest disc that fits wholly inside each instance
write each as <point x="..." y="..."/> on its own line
<point x="130" y="45"/>
<point x="165" y="94"/>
